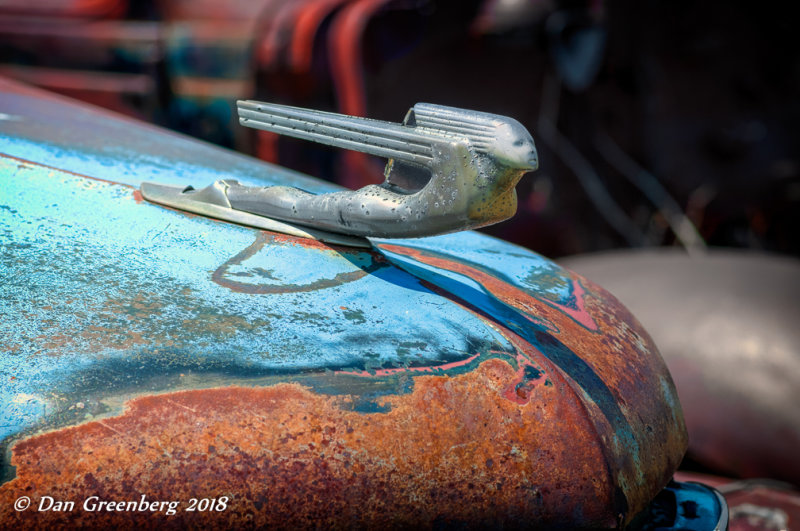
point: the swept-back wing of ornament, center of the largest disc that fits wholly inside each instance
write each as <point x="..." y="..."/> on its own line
<point x="375" y="137"/>
<point x="449" y="169"/>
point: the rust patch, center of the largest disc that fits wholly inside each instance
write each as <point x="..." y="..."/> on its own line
<point x="452" y="452"/>
<point x="631" y="396"/>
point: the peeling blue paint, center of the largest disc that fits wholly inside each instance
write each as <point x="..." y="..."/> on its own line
<point x="103" y="295"/>
<point x="93" y="281"/>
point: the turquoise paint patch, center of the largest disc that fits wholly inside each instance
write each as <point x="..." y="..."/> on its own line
<point x="523" y="269"/>
<point x="103" y="295"/>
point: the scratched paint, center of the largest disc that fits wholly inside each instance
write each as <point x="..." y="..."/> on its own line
<point x="85" y="284"/>
<point x="108" y="298"/>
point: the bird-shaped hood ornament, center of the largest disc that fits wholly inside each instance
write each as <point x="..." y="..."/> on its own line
<point x="448" y="170"/>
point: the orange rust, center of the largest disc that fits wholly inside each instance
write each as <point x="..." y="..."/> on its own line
<point x="616" y="347"/>
<point x="453" y="451"/>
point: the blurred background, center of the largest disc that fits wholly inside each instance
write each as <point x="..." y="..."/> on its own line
<point x="658" y="122"/>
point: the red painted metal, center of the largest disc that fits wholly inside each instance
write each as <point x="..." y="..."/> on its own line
<point x="306" y="31"/>
<point x="345" y="56"/>
<point x="66" y="8"/>
<point x="278" y="31"/>
<point x="271" y="42"/>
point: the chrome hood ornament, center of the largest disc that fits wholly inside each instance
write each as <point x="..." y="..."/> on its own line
<point x="449" y="170"/>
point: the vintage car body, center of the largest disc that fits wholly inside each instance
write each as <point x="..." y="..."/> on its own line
<point x="444" y="381"/>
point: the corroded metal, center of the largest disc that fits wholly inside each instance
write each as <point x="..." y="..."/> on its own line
<point x="452" y="380"/>
<point x="449" y="169"/>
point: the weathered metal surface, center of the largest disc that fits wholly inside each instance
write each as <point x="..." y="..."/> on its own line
<point x="446" y="380"/>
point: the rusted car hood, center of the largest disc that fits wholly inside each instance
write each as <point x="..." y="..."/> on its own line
<point x="447" y="379"/>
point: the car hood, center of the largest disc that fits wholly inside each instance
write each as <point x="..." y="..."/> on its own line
<point x="108" y="299"/>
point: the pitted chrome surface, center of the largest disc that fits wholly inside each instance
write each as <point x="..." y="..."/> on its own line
<point x="449" y="169"/>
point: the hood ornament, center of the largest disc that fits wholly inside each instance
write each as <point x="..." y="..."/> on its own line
<point x="449" y="170"/>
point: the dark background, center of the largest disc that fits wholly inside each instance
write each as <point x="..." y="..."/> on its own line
<point x="653" y="118"/>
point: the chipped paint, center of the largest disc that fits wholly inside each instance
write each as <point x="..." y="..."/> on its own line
<point x="104" y="294"/>
<point x="453" y="380"/>
<point x="285" y="454"/>
<point x="432" y="369"/>
<point x="605" y="357"/>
